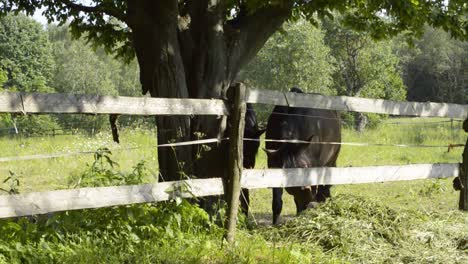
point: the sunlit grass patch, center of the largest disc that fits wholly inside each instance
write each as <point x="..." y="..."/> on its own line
<point x="54" y="173"/>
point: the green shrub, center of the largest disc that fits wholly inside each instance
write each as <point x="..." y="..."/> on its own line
<point x="31" y="125"/>
<point x="103" y="172"/>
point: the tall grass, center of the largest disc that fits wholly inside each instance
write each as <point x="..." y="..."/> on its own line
<point x="51" y="174"/>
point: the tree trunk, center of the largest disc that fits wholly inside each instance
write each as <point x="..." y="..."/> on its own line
<point x="162" y="74"/>
<point x="193" y="52"/>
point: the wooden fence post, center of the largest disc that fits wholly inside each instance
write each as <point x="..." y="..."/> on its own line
<point x="463" y="203"/>
<point x="235" y="164"/>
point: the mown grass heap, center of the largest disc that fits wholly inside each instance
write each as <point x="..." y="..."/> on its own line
<point x="354" y="229"/>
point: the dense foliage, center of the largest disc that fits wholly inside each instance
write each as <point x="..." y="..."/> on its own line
<point x="25" y="54"/>
<point x="38" y="59"/>
<point x="296" y="56"/>
<point x="435" y="69"/>
<point x="379" y="18"/>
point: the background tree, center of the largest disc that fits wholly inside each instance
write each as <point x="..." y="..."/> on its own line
<point x="295" y="56"/>
<point x="25" y="54"/>
<point x="435" y="68"/>
<point x="84" y="69"/>
<point x="48" y="60"/>
<point x="4" y="119"/>
<point x="79" y="70"/>
<point x="3" y="78"/>
<point x="365" y="68"/>
<point x="196" y="48"/>
<point x="26" y="64"/>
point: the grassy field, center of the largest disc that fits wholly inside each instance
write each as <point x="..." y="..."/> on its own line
<point x="393" y="222"/>
<point x="55" y="173"/>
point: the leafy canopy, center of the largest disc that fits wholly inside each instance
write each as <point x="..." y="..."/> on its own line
<point x="25" y="54"/>
<point x="297" y="57"/>
<point x="435" y="69"/>
<point x="106" y="21"/>
<point x="365" y="67"/>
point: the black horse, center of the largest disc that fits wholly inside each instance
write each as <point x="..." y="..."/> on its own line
<point x="304" y="124"/>
<point x="251" y="131"/>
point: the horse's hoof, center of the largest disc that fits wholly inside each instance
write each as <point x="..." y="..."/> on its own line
<point x="278" y="220"/>
<point x="312" y="205"/>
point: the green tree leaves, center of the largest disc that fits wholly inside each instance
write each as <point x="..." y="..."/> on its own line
<point x="38" y="59"/>
<point x="366" y="67"/>
<point x="3" y="78"/>
<point x="25" y="54"/>
<point x="296" y="56"/>
<point x="435" y="69"/>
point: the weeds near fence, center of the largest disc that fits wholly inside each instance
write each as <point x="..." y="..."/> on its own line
<point x="104" y="172"/>
<point x="116" y="234"/>
<point x="13" y="183"/>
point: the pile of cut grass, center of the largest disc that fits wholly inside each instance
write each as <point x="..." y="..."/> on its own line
<point x="354" y="229"/>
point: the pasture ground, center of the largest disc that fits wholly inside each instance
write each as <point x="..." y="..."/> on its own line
<point x="393" y="222"/>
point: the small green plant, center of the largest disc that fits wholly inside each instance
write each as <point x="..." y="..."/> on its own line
<point x="119" y="234"/>
<point x="431" y="188"/>
<point x="13" y="183"/>
<point x="123" y="234"/>
<point x="178" y="191"/>
<point x="104" y="172"/>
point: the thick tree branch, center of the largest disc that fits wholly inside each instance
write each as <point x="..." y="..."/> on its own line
<point x="250" y="33"/>
<point x="207" y="70"/>
<point x="98" y="9"/>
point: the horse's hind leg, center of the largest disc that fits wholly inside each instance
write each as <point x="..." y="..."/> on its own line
<point x="323" y="191"/>
<point x="277" y="204"/>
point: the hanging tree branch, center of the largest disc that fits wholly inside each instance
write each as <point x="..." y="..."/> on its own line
<point x="98" y="9"/>
<point x="254" y="29"/>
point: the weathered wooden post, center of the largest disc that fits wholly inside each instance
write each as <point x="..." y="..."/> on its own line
<point x="236" y="134"/>
<point x="463" y="178"/>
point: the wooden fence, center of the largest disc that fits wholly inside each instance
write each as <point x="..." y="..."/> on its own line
<point x="53" y="201"/>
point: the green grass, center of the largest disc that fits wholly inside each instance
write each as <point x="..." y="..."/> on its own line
<point x="392" y="222"/>
<point x="54" y="173"/>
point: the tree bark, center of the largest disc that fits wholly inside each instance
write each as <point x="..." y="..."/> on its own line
<point x="192" y="51"/>
<point x="162" y="74"/>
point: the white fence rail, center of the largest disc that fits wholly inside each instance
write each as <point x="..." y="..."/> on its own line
<point x="357" y="104"/>
<point x="35" y="103"/>
<point x="84" y="198"/>
<point x="253" y="179"/>
<point x="54" y="201"/>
